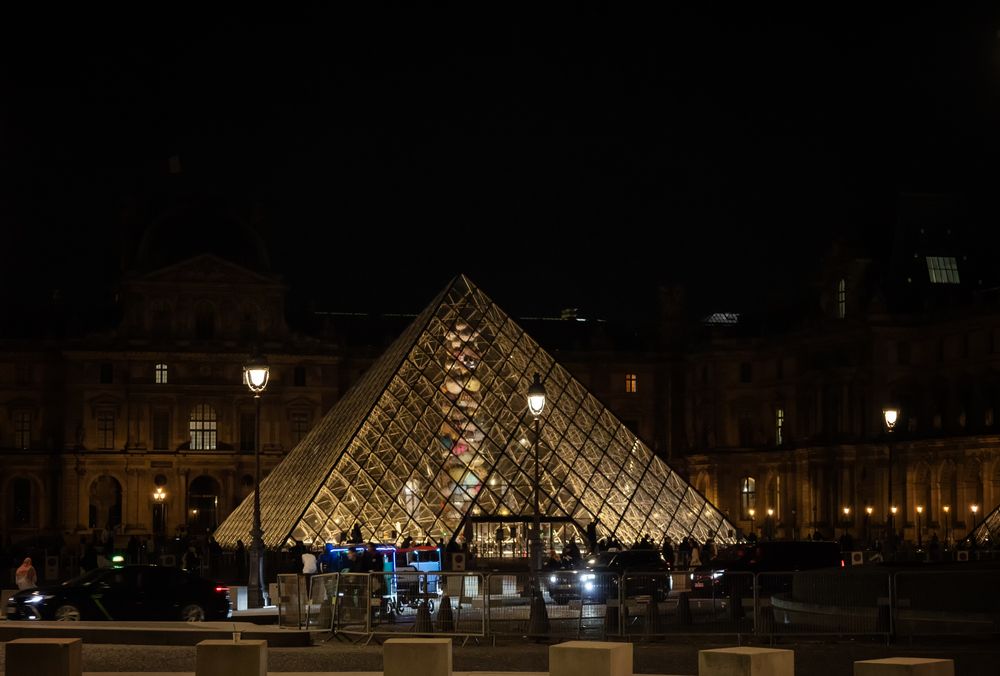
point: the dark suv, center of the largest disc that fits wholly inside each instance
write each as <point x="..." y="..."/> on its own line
<point x="596" y="578"/>
<point x="770" y="556"/>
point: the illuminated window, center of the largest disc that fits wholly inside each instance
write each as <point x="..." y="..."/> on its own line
<point x="748" y="496"/>
<point x="631" y="382"/>
<point x="841" y="299"/>
<point x="779" y="426"/>
<point x="942" y="270"/>
<point x="105" y="429"/>
<point x="160" y="374"/>
<point x="203" y="428"/>
<point x="22" y="429"/>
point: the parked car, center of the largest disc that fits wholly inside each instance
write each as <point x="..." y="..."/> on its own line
<point x="125" y="593"/>
<point x="596" y="578"/>
<point x="770" y="556"/>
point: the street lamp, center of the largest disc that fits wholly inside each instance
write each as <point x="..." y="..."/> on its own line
<point x="752" y="512"/>
<point x="920" y="532"/>
<point x="892" y="526"/>
<point x="255" y="375"/>
<point x="847" y="513"/>
<point x="890" y="414"/>
<point x="538" y="620"/>
<point x="868" y="517"/>
<point x="770" y="523"/>
<point x="947" y="523"/>
<point x="975" y="509"/>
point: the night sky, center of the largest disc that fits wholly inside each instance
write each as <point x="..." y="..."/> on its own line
<point x="571" y="159"/>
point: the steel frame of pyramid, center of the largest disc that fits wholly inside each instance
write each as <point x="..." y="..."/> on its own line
<point x="438" y="430"/>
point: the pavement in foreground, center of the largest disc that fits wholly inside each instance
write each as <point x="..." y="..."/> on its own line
<point x="812" y="658"/>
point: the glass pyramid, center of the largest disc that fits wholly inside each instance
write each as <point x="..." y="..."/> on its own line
<point x="438" y="433"/>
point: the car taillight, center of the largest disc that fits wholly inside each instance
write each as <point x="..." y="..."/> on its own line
<point x="221" y="590"/>
<point x="842" y="564"/>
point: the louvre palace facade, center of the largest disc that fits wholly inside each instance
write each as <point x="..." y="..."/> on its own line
<point x="775" y="417"/>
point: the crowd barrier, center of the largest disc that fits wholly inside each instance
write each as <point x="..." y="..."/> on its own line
<point x="644" y="605"/>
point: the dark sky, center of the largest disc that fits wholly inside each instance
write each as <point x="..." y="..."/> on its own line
<point x="574" y="158"/>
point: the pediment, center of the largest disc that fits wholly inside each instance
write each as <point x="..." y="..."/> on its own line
<point x="206" y="269"/>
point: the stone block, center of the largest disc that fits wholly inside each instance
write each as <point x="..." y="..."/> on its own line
<point x="746" y="661"/>
<point x="231" y="658"/>
<point x="49" y="656"/>
<point x="416" y="657"/>
<point x="238" y="595"/>
<point x="905" y="666"/>
<point x="590" y="658"/>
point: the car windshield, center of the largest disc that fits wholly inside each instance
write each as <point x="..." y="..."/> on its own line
<point x="86" y="578"/>
<point x="602" y="559"/>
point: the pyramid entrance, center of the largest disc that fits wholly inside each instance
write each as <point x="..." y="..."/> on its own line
<point x="436" y="442"/>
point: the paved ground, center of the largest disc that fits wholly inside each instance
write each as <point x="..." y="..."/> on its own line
<point x="980" y="658"/>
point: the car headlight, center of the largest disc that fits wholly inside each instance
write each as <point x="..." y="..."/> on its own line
<point x="716" y="575"/>
<point x="38" y="598"/>
<point x="553" y="579"/>
<point x="589" y="586"/>
<point x="587" y="577"/>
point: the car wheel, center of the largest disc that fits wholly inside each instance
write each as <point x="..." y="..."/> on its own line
<point x="67" y="613"/>
<point x="193" y="613"/>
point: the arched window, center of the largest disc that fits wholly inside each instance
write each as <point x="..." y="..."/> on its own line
<point x="748" y="496"/>
<point x="105" y="502"/>
<point x="774" y="495"/>
<point x="203" y="428"/>
<point x="841" y="298"/>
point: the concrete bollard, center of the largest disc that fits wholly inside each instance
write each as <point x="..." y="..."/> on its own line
<point x="684" y="609"/>
<point x="416" y="657"/>
<point x="590" y="658"/>
<point x="905" y="666"/>
<point x="49" y="656"/>
<point x="423" y="624"/>
<point x="231" y="658"/>
<point x="746" y="661"/>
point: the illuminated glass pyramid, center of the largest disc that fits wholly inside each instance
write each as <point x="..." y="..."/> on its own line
<point x="438" y="430"/>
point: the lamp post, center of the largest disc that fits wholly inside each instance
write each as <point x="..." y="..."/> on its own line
<point x="538" y="620"/>
<point x="255" y="376"/>
<point x="975" y="510"/>
<point x="920" y="531"/>
<point x="947" y="524"/>
<point x="890" y="414"/>
<point x="868" y="517"/>
<point x="770" y="523"/>
<point x="753" y="529"/>
<point x="847" y="513"/>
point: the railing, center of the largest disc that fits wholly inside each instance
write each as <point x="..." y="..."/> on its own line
<point x="558" y="604"/>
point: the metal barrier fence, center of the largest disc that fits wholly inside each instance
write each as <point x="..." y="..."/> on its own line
<point x="936" y="603"/>
<point x="865" y="601"/>
<point x="844" y="603"/>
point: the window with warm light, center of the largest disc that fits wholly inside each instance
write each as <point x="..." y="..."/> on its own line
<point x="631" y="383"/>
<point x="160" y="374"/>
<point x="748" y="495"/>
<point x="203" y="428"/>
<point x="942" y="270"/>
<point x="841" y="299"/>
<point x="779" y="426"/>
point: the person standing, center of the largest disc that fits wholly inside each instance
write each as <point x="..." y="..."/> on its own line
<point x="25" y="576"/>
